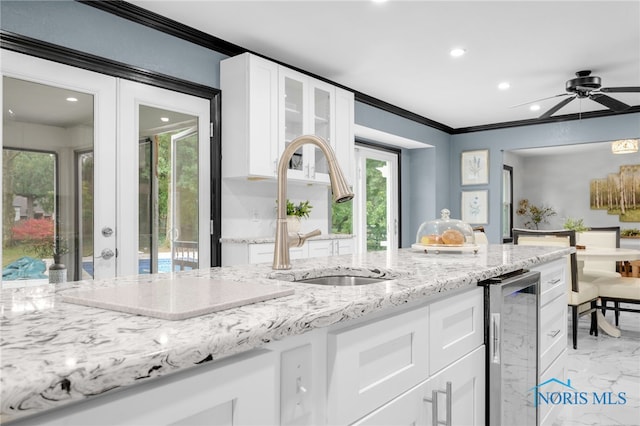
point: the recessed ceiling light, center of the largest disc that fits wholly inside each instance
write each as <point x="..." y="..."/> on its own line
<point x="504" y="85"/>
<point x="379" y="1"/>
<point x="534" y="107"/>
<point x="164" y="119"/>
<point x="457" y="52"/>
<point x="72" y="99"/>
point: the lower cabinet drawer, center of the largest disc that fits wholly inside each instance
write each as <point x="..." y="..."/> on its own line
<point x="262" y="253"/>
<point x="553" y="331"/>
<point x="548" y="383"/>
<point x="553" y="280"/>
<point x="370" y="364"/>
<point x="456" y="327"/>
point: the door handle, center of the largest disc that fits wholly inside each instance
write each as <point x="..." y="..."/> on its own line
<point x="106" y="254"/>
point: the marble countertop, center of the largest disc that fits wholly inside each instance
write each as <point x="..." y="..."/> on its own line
<point x="55" y="353"/>
<point x="267" y="240"/>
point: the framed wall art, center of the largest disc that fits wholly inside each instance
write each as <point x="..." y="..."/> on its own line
<point x="474" y="166"/>
<point x="475" y="207"/>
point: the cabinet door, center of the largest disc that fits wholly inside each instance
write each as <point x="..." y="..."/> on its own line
<point x="407" y="409"/>
<point x="466" y="396"/>
<point x="237" y="391"/>
<point x="249" y="116"/>
<point x="344" y="133"/>
<point x="343" y="246"/>
<point x="321" y="120"/>
<point x="370" y="364"/>
<point x="293" y="89"/>
<point x="320" y="248"/>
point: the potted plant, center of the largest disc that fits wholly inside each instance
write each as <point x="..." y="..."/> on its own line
<point x="296" y="212"/>
<point x="535" y="214"/>
<point x="575" y="225"/>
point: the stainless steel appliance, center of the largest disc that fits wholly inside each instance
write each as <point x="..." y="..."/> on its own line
<point x="511" y="325"/>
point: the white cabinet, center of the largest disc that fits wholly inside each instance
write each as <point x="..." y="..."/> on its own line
<point x="193" y="397"/>
<point x="323" y="248"/>
<point x="458" y="392"/>
<point x="371" y="364"/>
<point x="250" y="116"/>
<point x="552" y="333"/>
<point x="243" y="253"/>
<point x="385" y="371"/>
<point x="266" y="106"/>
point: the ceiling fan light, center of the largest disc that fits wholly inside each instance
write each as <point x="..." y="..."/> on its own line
<point x="624" y="146"/>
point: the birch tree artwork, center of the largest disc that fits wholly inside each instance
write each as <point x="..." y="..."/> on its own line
<point x="618" y="193"/>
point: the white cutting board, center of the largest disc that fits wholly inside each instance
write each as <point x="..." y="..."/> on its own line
<point x="176" y="299"/>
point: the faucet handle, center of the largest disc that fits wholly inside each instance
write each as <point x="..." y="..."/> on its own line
<point x="297" y="240"/>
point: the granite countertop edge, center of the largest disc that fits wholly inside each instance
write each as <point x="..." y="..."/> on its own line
<point x="268" y="240"/>
<point x="56" y="353"/>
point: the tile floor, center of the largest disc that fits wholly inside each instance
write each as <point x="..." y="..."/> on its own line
<point x="601" y="364"/>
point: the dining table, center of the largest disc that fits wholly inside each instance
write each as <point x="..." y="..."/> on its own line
<point x="605" y="253"/>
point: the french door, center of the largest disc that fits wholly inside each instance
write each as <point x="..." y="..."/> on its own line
<point x="127" y="182"/>
<point x="376" y="201"/>
<point x="67" y="113"/>
<point x="164" y="185"/>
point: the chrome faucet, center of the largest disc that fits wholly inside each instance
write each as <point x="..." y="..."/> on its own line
<point x="339" y="188"/>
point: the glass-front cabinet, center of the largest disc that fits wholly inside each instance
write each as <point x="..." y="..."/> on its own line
<point x="306" y="107"/>
<point x="267" y="106"/>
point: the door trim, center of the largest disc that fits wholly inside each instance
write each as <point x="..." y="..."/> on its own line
<point x="52" y="52"/>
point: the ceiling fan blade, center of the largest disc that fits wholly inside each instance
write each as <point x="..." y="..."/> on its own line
<point x="620" y="89"/>
<point x="557" y="107"/>
<point x="609" y="102"/>
<point x="538" y="100"/>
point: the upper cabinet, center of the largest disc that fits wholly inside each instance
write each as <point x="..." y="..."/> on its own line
<point x="266" y="106"/>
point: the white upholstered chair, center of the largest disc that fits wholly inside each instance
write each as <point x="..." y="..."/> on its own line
<point x="599" y="237"/>
<point x="582" y="296"/>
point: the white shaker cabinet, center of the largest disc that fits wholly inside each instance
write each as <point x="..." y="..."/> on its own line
<point x="234" y="391"/>
<point x="552" y="333"/>
<point x="459" y="392"/>
<point x="265" y="106"/>
<point x="250" y="116"/>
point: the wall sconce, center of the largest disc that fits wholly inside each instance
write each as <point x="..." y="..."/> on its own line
<point x="624" y="146"/>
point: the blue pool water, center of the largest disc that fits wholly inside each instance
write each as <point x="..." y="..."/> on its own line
<point x="144" y="266"/>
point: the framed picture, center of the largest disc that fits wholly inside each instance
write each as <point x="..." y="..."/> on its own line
<point x="475" y="207"/>
<point x="474" y="166"/>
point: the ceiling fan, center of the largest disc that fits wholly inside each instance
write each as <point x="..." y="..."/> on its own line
<point x="586" y="85"/>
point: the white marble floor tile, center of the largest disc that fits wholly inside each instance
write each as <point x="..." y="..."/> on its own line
<point x="605" y="364"/>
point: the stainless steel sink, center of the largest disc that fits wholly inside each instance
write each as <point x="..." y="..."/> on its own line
<point x="341" y="280"/>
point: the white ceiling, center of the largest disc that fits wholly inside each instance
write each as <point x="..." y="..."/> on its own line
<point x="398" y="51"/>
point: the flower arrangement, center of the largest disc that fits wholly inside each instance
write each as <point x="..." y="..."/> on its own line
<point x="535" y="214"/>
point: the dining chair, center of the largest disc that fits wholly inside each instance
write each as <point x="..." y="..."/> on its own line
<point x="582" y="296"/>
<point x="608" y="237"/>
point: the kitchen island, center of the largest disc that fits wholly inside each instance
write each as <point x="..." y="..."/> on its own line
<point x="55" y="353"/>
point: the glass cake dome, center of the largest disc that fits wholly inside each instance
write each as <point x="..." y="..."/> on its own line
<point x="445" y="232"/>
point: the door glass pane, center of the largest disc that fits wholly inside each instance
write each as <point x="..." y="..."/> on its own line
<point x="376" y="187"/>
<point x="85" y="205"/>
<point x="44" y="130"/>
<point x="168" y="191"/>
<point x="293" y="115"/>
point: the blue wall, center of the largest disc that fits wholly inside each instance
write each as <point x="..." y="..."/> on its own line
<point x="542" y="135"/>
<point x="87" y="29"/>
<point x="430" y="177"/>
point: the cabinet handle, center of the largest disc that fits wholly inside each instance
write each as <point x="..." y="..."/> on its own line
<point x="556" y="281"/>
<point x="553" y="333"/>
<point x="434" y="405"/>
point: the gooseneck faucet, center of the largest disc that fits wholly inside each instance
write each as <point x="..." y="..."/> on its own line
<point x="339" y="188"/>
